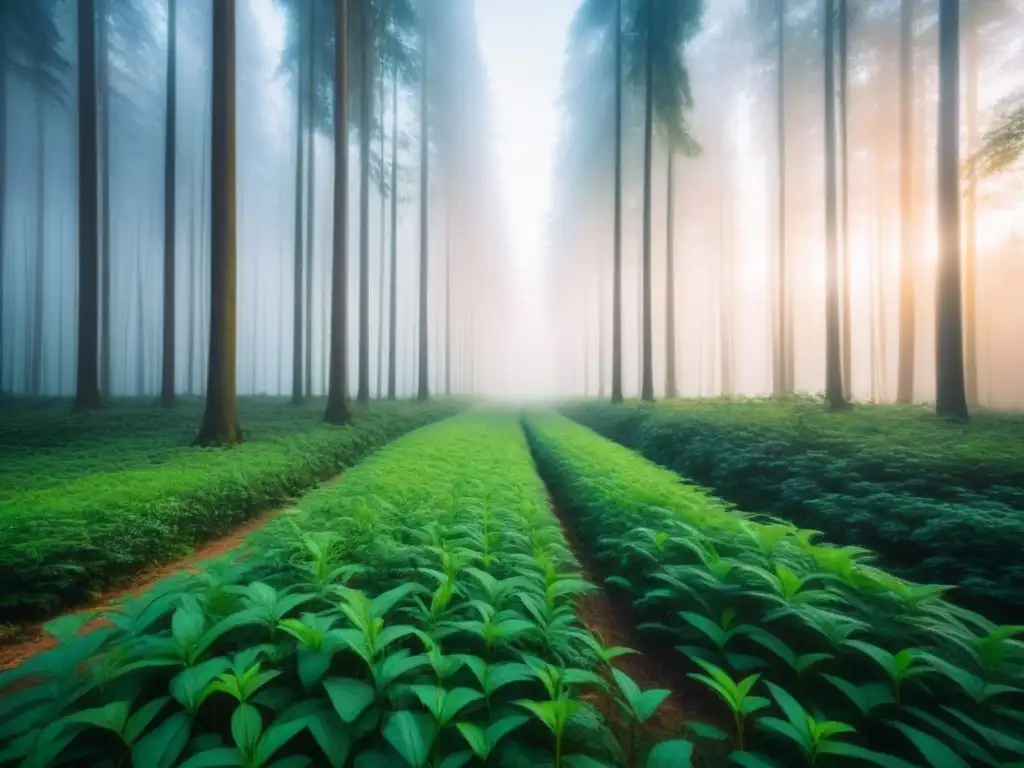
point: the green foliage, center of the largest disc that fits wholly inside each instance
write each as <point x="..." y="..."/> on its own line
<point x="875" y="669"/>
<point x="939" y="502"/>
<point x="325" y="644"/>
<point x="86" y="499"/>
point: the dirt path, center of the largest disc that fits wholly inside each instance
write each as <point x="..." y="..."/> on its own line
<point x="610" y="617"/>
<point x="30" y="639"/>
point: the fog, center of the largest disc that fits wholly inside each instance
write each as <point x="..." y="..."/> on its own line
<point x="520" y="197"/>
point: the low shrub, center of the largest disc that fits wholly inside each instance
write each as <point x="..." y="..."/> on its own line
<point x="819" y="655"/>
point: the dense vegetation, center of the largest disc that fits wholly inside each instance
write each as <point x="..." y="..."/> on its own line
<point x="817" y="654"/>
<point x="421" y="613"/>
<point x="940" y="502"/>
<point x="88" y="498"/>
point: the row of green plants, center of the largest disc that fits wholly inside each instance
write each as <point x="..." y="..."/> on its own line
<point x="421" y="613"/>
<point x="939" y="502"/>
<point x="822" y="658"/>
<point x="68" y="531"/>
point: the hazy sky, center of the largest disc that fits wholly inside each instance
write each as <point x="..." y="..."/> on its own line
<point x="523" y="45"/>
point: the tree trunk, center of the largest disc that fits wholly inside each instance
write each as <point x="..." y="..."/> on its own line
<point x="170" y="157"/>
<point x="220" y="420"/>
<point x="725" y="245"/>
<point x="3" y="194"/>
<point x="834" y="395"/>
<point x="647" y="363"/>
<point x="383" y="239"/>
<point x="40" y="272"/>
<point x="970" y="40"/>
<point x="448" y="309"/>
<point x="600" y="332"/>
<point x="140" y="326"/>
<point x="671" y="387"/>
<point x="193" y="269"/>
<point x="106" y="333"/>
<point x="87" y="388"/>
<point x="393" y="303"/>
<point x="337" y="388"/>
<point x="423" y="388"/>
<point x="298" y="316"/>
<point x="844" y="83"/>
<point x="950" y="394"/>
<point x="782" y="381"/>
<point x="617" y="242"/>
<point x="366" y="123"/>
<point x="310" y="244"/>
<point x="907" y="332"/>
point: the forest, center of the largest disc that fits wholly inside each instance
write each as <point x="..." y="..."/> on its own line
<point x="335" y="431"/>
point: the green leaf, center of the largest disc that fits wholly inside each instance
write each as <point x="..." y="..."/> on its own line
<point x="584" y="761"/>
<point x="752" y="760"/>
<point x="221" y="757"/>
<point x="933" y="750"/>
<point x="313" y="665"/>
<point x="349" y="697"/>
<point x="500" y="728"/>
<point x="381" y="605"/>
<point x="456" y="700"/>
<point x="246" y="727"/>
<point x="671" y="754"/>
<point x="705" y="731"/>
<point x="142" y="717"/>
<point x="332" y="737"/>
<point x="189" y="687"/>
<point x="412" y="735"/>
<point x="796" y="714"/>
<point x="161" y="747"/>
<point x="456" y="759"/>
<point x="111" y="717"/>
<point x="476" y="737"/>
<point x="280" y="732"/>
<point x="843" y="749"/>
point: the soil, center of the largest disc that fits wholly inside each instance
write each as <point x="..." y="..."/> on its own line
<point x="608" y="614"/>
<point x="30" y="639"/>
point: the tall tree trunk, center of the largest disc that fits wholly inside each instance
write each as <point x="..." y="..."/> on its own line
<point x="393" y="303"/>
<point x="3" y="193"/>
<point x="600" y="332"/>
<point x="647" y="362"/>
<point x="310" y="198"/>
<point x="366" y="124"/>
<point x="617" y="241"/>
<point x="908" y="310"/>
<point x="220" y="420"/>
<point x="782" y="380"/>
<point x="423" y="388"/>
<point x="298" y="316"/>
<point x="87" y="387"/>
<point x="844" y="100"/>
<point x="448" y="309"/>
<point x="834" y="394"/>
<point x="170" y="157"/>
<point x="383" y="237"/>
<point x="106" y="317"/>
<point x="970" y="41"/>
<point x="193" y="269"/>
<point x="140" y="326"/>
<point x="671" y="388"/>
<point x="725" y="240"/>
<point x="337" y="388"/>
<point x="40" y="273"/>
<point x="950" y="394"/>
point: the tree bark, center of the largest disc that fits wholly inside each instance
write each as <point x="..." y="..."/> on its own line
<point x="834" y="395"/>
<point x="40" y="272"/>
<point x="423" y="389"/>
<point x="87" y="388"/>
<point x="908" y="310"/>
<point x="970" y="41"/>
<point x="393" y="303"/>
<point x="220" y="421"/>
<point x="298" y="316"/>
<point x="106" y="317"/>
<point x="167" y="379"/>
<point x="844" y="83"/>
<point x="366" y="124"/>
<point x="617" y="241"/>
<point x="383" y="238"/>
<point x="337" y="388"/>
<point x="646" y="357"/>
<point x="310" y="244"/>
<point x="725" y="255"/>
<point x="782" y="382"/>
<point x="3" y="194"/>
<point x="950" y="394"/>
<point x="600" y="332"/>
<point x="671" y="387"/>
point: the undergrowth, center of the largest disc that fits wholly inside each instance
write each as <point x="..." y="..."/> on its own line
<point x="938" y="501"/>
<point x="86" y="499"/>
<point x="822" y="658"/>
<point x="420" y="614"/>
